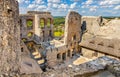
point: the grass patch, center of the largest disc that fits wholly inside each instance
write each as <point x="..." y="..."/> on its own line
<point x="58" y="34"/>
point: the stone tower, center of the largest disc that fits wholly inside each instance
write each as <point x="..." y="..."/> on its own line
<point x="9" y="37"/>
<point x="72" y="28"/>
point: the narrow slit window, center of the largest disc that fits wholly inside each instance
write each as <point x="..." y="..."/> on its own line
<point x="58" y="56"/>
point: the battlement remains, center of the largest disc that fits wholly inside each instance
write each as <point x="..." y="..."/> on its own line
<point x="37" y="12"/>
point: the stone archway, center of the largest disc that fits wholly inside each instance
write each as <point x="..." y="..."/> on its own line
<point x="58" y="56"/>
<point x="64" y="56"/>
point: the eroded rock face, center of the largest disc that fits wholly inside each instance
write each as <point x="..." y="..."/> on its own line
<point x="9" y="37"/>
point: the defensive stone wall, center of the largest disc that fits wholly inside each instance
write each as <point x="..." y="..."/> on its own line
<point x="103" y="45"/>
<point x="93" y="23"/>
<point x="61" y="54"/>
<point x="38" y="12"/>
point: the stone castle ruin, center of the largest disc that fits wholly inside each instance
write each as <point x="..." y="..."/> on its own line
<point x="52" y="51"/>
<point x="28" y="47"/>
<point x="39" y="24"/>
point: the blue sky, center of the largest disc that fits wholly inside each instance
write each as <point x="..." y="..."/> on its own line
<point x="62" y="7"/>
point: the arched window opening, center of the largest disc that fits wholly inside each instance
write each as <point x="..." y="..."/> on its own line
<point x="58" y="56"/>
<point x="64" y="56"/>
<point x="22" y="49"/>
<point x="30" y="34"/>
<point x="24" y="40"/>
<point x="48" y="22"/>
<point x="74" y="38"/>
<point x="29" y="24"/>
<point x="42" y="23"/>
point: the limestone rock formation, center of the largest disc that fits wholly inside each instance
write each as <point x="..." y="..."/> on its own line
<point x="9" y="37"/>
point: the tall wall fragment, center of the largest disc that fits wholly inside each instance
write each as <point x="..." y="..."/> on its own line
<point x="72" y="28"/>
<point x="9" y="36"/>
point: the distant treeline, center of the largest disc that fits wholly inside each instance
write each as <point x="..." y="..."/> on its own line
<point x="58" y="21"/>
<point x="112" y="17"/>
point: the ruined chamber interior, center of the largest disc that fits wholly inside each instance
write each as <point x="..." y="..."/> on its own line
<point x="90" y="46"/>
<point x="83" y="51"/>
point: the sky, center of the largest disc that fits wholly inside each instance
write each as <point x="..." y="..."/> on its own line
<point x="62" y="7"/>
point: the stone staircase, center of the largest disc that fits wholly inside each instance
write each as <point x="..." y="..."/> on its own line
<point x="36" y="55"/>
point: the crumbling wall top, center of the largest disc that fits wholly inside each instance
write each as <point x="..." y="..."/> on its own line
<point x="37" y="12"/>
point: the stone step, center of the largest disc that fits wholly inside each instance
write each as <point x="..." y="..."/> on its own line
<point x="41" y="61"/>
<point x="35" y="53"/>
<point x="37" y="56"/>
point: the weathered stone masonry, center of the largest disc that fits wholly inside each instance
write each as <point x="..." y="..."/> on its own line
<point x="70" y="47"/>
<point x="42" y="33"/>
<point x="41" y="27"/>
<point x="9" y="36"/>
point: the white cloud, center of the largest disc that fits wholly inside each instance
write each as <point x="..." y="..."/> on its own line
<point x="88" y="2"/>
<point x="93" y="8"/>
<point x="109" y="2"/>
<point x="38" y="2"/>
<point x="106" y="6"/>
<point x="49" y="4"/>
<point x="64" y="6"/>
<point x="24" y="1"/>
<point x="20" y="1"/>
<point x="61" y="7"/>
<point x="54" y="1"/>
<point x="73" y="5"/>
<point x="42" y="7"/>
<point x="55" y="5"/>
<point x="27" y="1"/>
<point x="85" y="6"/>
<point x="23" y="9"/>
<point x="31" y="6"/>
<point x="117" y="7"/>
<point x="83" y="11"/>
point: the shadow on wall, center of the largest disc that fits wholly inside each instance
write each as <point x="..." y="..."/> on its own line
<point x="83" y="28"/>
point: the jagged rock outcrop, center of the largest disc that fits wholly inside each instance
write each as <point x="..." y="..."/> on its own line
<point x="9" y="38"/>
